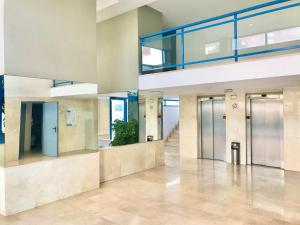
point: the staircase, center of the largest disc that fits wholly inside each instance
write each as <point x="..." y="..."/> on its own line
<point x="172" y="145"/>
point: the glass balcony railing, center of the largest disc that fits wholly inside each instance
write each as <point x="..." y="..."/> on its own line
<point x="267" y="28"/>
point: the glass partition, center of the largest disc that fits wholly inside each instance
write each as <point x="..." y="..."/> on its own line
<point x="266" y="32"/>
<point x="268" y="28"/>
<point x="161" y="54"/>
<point x="42" y="120"/>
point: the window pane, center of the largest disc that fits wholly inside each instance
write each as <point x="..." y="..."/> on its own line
<point x="171" y="103"/>
<point x="118" y="110"/>
<point x="286" y="35"/>
<point x="252" y="41"/>
<point x="212" y="48"/>
<point x="152" y="56"/>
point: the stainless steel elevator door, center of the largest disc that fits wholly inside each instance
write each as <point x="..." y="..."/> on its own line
<point x="219" y="130"/>
<point x="213" y="129"/>
<point x="207" y="130"/>
<point x="266" y="131"/>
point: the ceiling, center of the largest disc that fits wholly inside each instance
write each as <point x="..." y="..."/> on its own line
<point x="103" y="4"/>
<point x="107" y="9"/>
<point x="177" y="12"/>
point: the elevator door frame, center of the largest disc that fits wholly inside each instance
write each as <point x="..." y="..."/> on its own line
<point x="249" y="98"/>
<point x="200" y="127"/>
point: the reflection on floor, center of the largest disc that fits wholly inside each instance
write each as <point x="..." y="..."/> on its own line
<point x="193" y="193"/>
<point x="31" y="157"/>
<point x="172" y="149"/>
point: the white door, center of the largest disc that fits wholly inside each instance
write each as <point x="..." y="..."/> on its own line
<point x="50" y="129"/>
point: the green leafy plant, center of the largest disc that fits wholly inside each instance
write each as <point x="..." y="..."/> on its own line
<point x="125" y="132"/>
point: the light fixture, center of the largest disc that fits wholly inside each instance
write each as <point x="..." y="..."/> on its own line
<point x="228" y="90"/>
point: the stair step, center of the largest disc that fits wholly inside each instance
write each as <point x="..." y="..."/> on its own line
<point x="171" y="149"/>
<point x="173" y="140"/>
<point x="172" y="144"/>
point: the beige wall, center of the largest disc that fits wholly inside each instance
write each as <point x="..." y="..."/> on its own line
<point x="188" y="127"/>
<point x="236" y="123"/>
<point x="291" y="136"/>
<point x="82" y="136"/>
<point x="149" y="20"/>
<point x="91" y="124"/>
<point x="2" y="191"/>
<point x="124" y="160"/>
<point x="51" y="39"/>
<point x="31" y="185"/>
<point x="151" y="105"/>
<point x="117" y="50"/>
<point x="103" y="118"/>
<point x="236" y="126"/>
<point x="2" y="155"/>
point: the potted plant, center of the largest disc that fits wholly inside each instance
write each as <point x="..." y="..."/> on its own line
<point x="125" y="132"/>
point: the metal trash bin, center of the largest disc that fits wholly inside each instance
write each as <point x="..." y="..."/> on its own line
<point x="150" y="138"/>
<point x="235" y="153"/>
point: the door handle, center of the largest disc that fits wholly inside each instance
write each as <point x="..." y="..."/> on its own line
<point x="54" y="128"/>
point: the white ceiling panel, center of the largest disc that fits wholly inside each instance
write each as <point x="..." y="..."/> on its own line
<point x="115" y="9"/>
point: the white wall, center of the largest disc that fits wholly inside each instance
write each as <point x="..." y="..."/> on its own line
<point x="26" y="87"/>
<point x="51" y="39"/>
<point x="170" y="119"/>
<point x="84" y="89"/>
<point x="270" y="67"/>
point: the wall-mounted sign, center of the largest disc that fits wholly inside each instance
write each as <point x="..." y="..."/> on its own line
<point x="234" y="105"/>
<point x="71" y="117"/>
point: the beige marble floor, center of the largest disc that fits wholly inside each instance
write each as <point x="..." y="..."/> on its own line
<point x="190" y="192"/>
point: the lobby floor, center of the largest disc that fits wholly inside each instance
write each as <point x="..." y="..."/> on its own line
<point x="191" y="192"/>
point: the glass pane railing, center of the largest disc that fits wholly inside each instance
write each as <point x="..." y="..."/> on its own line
<point x="161" y="53"/>
<point x="267" y="28"/>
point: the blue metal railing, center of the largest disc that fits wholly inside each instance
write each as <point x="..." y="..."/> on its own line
<point x="229" y="18"/>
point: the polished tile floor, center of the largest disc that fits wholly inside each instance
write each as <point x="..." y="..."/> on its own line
<point x="192" y="192"/>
